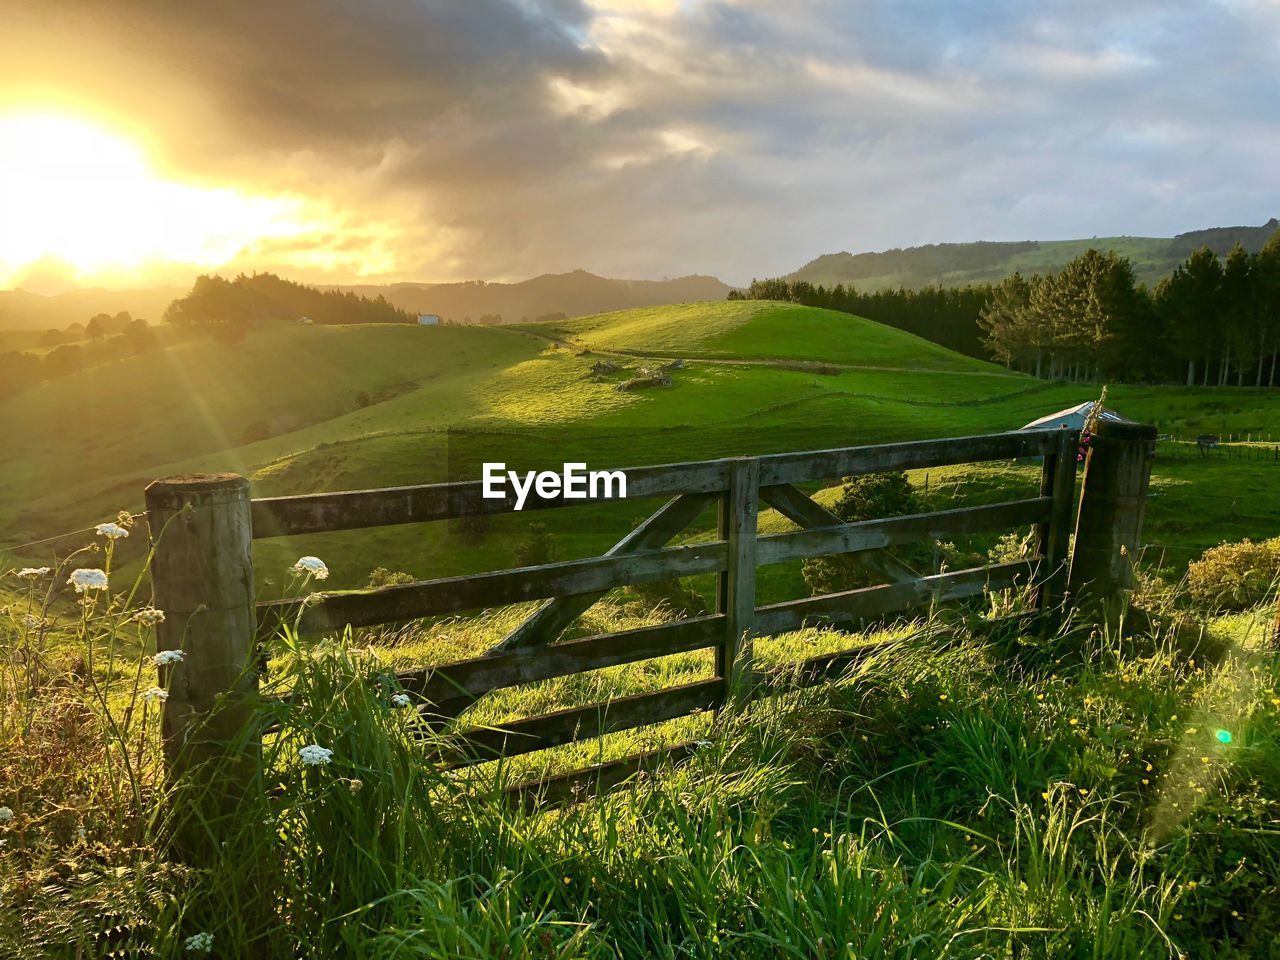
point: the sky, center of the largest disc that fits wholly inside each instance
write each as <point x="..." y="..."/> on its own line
<point x="144" y="140"/>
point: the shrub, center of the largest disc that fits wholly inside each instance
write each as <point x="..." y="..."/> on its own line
<point x="1234" y="576"/>
<point x="538" y="547"/>
<point x="868" y="497"/>
<point x="382" y="577"/>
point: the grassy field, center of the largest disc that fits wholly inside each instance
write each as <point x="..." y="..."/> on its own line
<point x="352" y="407"/>
<point x="759" y="330"/>
<point x="977" y="790"/>
<point x="973" y="791"/>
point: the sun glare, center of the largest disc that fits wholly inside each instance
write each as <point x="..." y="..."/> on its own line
<point x="76" y="193"/>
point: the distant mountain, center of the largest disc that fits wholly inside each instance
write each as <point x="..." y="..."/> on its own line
<point x="575" y="294"/>
<point x="23" y="310"/>
<point x="957" y="264"/>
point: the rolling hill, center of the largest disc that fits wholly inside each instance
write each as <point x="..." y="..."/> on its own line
<point x="957" y="264"/>
<point x="574" y="294"/>
<point x="300" y="409"/>
<point x="24" y="310"/>
<point x="759" y="330"/>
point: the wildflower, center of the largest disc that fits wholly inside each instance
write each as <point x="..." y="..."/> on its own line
<point x="32" y="622"/>
<point x="315" y="755"/>
<point x="355" y="785"/>
<point x="32" y="573"/>
<point x="112" y="531"/>
<point x="153" y="694"/>
<point x="166" y="657"/>
<point x="401" y="700"/>
<point x="6" y="814"/>
<point x="88" y="579"/>
<point x="1073" y="721"/>
<point x="148" y="616"/>
<point x="312" y="567"/>
<point x="200" y="943"/>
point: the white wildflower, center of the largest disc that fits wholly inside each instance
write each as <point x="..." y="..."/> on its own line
<point x="166" y="657"/>
<point x="6" y="814"/>
<point x="112" y="531"/>
<point x="32" y="573"/>
<point x="200" y="943"/>
<point x="314" y="755"/>
<point x="32" y="622"/>
<point x="88" y="579"/>
<point x="152" y="694"/>
<point x="311" y="566"/>
<point x="401" y="700"/>
<point x="148" y="616"/>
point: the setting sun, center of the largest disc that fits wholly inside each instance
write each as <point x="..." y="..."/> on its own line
<point x="74" y="192"/>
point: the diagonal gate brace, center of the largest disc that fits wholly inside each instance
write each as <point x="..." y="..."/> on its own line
<point x="806" y="512"/>
<point x="546" y="623"/>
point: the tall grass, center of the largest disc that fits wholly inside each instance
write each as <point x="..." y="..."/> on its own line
<point x="974" y="791"/>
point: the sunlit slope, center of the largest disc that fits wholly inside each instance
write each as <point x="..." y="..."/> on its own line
<point x="74" y="436"/>
<point x="438" y="402"/>
<point x="758" y="330"/>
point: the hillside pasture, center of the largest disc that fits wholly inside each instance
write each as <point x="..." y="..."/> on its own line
<point x="369" y="406"/>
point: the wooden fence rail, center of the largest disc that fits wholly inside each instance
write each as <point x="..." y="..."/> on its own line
<point x="203" y="576"/>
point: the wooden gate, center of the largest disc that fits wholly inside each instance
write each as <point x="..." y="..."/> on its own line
<point x="203" y="580"/>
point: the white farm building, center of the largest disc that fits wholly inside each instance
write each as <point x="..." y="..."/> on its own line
<point x="428" y="319"/>
<point x="1075" y="418"/>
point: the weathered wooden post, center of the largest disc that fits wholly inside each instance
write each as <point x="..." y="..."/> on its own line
<point x="1112" y="504"/>
<point x="1057" y="480"/>
<point x="202" y="575"/>
<point x="739" y="509"/>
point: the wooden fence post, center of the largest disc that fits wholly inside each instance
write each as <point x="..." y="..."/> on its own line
<point x="1057" y="480"/>
<point x="739" y="509"/>
<point x="202" y="575"/>
<point x="1112" y="504"/>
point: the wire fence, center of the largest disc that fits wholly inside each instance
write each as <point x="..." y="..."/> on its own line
<point x="1236" y="446"/>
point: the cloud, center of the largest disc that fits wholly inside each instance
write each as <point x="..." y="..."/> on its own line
<point x="500" y="138"/>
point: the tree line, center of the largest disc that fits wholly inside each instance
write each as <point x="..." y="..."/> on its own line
<point x="108" y="338"/>
<point x="1213" y="322"/>
<point x="250" y="300"/>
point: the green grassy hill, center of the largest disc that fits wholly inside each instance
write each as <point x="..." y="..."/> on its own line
<point x="957" y="264"/>
<point x="758" y="330"/>
<point x="368" y="406"/>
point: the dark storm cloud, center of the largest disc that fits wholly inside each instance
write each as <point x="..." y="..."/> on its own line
<point x="505" y="137"/>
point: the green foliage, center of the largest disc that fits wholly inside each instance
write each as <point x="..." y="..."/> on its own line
<point x="538" y="547"/>
<point x="1235" y="576"/>
<point x="248" y="300"/>
<point x="382" y="577"/>
<point x="1058" y="797"/>
<point x="868" y="497"/>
